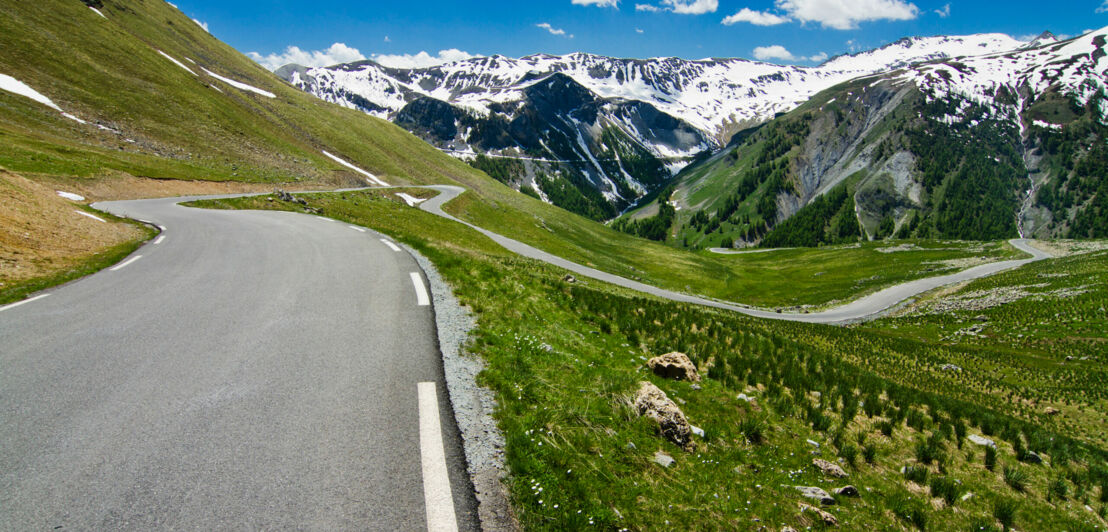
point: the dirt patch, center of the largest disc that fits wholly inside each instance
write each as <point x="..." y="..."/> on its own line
<point x="42" y="233"/>
<point x="1065" y="248"/>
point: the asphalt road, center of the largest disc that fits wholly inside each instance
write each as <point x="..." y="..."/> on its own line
<point x="863" y="308"/>
<point x="252" y="370"/>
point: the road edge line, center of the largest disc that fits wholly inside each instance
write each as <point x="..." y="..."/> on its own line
<point x="438" y="499"/>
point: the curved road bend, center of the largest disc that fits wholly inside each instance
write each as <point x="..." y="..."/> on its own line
<point x="252" y="370"/>
<point x="866" y="307"/>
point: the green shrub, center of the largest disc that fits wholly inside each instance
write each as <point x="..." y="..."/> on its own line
<point x="753" y="428"/>
<point x="1058" y="488"/>
<point x="1015" y="477"/>
<point x="905" y="507"/>
<point x="917" y="474"/>
<point x="1004" y="510"/>
<point x="849" y="452"/>
<point x="945" y="488"/>
<point x="869" y="453"/>
<point x="886" y="428"/>
<point x="990" y="458"/>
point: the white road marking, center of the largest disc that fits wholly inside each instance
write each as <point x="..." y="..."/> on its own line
<point x="94" y="217"/>
<point x="436" y="480"/>
<point x="358" y="229"/>
<point x="420" y="290"/>
<point x="124" y="265"/>
<point x="390" y="245"/>
<point x="25" y="301"/>
<point x="159" y="240"/>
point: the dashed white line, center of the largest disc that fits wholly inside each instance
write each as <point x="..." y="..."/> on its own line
<point x="124" y="265"/>
<point x="94" y="217"/>
<point x="159" y="240"/>
<point x="24" y="302"/>
<point x="358" y="229"/>
<point x="390" y="245"/>
<point x="436" y="479"/>
<point x="420" y="290"/>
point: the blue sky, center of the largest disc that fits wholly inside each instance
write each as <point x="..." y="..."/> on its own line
<point x="692" y="29"/>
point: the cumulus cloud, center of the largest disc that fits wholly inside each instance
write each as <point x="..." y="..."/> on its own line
<point x="337" y="53"/>
<point x="693" y="7"/>
<point x="1103" y="7"/>
<point x="554" y="31"/>
<point x="422" y="59"/>
<point x="846" y="14"/>
<point x="944" y="12"/>
<point x="684" y="7"/>
<point x="757" y="18"/>
<point x="777" y="52"/>
<point x="637" y="30"/>
<point x="597" y="3"/>
<point x="763" y="53"/>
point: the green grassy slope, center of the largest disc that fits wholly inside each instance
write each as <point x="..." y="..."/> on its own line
<point x="564" y="360"/>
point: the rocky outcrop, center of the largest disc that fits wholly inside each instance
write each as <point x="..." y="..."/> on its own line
<point x="829" y="469"/>
<point x="816" y="494"/>
<point x="652" y="402"/>
<point x="674" y="366"/>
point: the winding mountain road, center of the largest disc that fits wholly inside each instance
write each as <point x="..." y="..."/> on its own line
<point x="863" y="308"/>
<point x="245" y="370"/>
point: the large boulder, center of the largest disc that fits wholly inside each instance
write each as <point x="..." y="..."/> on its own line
<point x="824" y="517"/>
<point x="816" y="494"/>
<point x="674" y="366"/>
<point x="652" y="402"/>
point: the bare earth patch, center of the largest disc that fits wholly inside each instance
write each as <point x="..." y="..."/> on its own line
<point x="126" y="187"/>
<point x="42" y="233"/>
<point x="1065" y="248"/>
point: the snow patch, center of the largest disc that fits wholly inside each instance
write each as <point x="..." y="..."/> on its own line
<point x="371" y="177"/>
<point x="15" y="86"/>
<point x="97" y="11"/>
<point x="70" y="196"/>
<point x="178" y="63"/>
<point x="412" y="201"/>
<point x="94" y="217"/>
<point x="238" y="84"/>
<point x="1048" y="125"/>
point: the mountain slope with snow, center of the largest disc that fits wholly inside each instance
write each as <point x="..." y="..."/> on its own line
<point x="705" y="102"/>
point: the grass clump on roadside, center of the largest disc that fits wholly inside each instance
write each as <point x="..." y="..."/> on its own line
<point x="563" y="359"/>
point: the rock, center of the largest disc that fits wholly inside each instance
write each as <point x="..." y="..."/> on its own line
<point x="1051" y="411"/>
<point x="1070" y="358"/>
<point x="697" y="430"/>
<point x="694" y="387"/>
<point x="813" y="444"/>
<point x="569" y="279"/>
<point x="816" y="494"/>
<point x="1033" y="458"/>
<point x="829" y="469"/>
<point x="967" y="496"/>
<point x="630" y="446"/>
<point x="981" y="440"/>
<point x="285" y="196"/>
<point x="787" y="529"/>
<point x="674" y="366"/>
<point x="981" y="318"/>
<point x="847" y="491"/>
<point x="744" y="397"/>
<point x="826" y="518"/>
<point x="951" y="367"/>
<point x="653" y="402"/>
<point x="663" y="459"/>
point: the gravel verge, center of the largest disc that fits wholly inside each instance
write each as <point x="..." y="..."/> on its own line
<point x="473" y="405"/>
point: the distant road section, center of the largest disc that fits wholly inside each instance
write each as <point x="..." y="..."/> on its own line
<point x="860" y="309"/>
<point x="254" y="370"/>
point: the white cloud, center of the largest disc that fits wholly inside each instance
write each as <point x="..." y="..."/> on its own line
<point x="422" y="59"/>
<point x="846" y="14"/>
<point x="692" y="7"/>
<point x="944" y="12"/>
<point x="337" y="53"/>
<point x="757" y="18"/>
<point x="637" y="30"/>
<point x="780" y="53"/>
<point x="655" y="9"/>
<point x="597" y="3"/>
<point x="1103" y="7"/>
<point x="763" y="53"/>
<point x="553" y="31"/>
<point x="387" y="39"/>
<point x="202" y="25"/>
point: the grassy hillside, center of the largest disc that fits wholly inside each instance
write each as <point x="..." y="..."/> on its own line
<point x="565" y="359"/>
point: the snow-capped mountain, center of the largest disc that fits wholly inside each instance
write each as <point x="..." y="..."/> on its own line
<point x="705" y="102"/>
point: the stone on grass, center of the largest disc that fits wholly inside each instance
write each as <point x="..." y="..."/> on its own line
<point x="652" y="402"/>
<point x="1051" y="411"/>
<point x="829" y="469"/>
<point x="826" y="518"/>
<point x="981" y="440"/>
<point x="674" y="366"/>
<point x="847" y="491"/>
<point x="697" y="430"/>
<point x="816" y="494"/>
<point x="569" y="278"/>
<point x="1033" y="458"/>
<point x="663" y="459"/>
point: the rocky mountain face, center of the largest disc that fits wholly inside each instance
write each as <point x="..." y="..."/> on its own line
<point x="988" y="146"/>
<point x="591" y="133"/>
